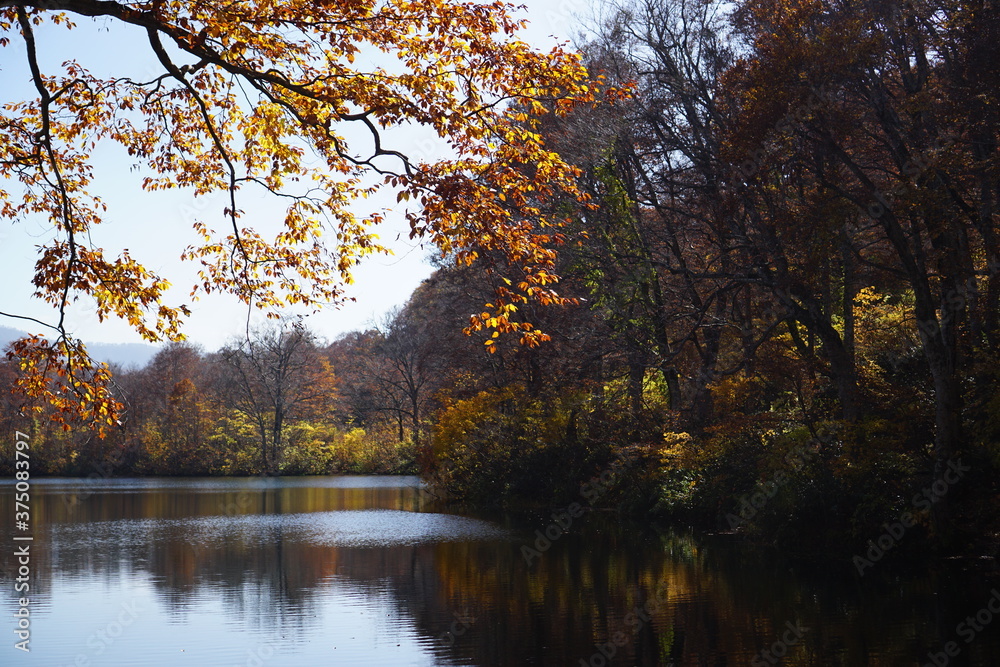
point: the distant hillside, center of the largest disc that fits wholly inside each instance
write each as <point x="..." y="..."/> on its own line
<point x="123" y="354"/>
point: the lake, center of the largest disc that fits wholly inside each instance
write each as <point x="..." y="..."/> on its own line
<point x="370" y="571"/>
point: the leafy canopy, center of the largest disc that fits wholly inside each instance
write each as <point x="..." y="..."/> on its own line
<point x="247" y="95"/>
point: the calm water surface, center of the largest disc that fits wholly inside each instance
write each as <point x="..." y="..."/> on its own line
<point x="369" y="571"/>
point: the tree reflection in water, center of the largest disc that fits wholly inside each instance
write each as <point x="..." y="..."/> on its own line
<point x="359" y="569"/>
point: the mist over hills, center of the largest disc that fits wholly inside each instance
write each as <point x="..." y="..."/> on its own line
<point x="124" y="354"/>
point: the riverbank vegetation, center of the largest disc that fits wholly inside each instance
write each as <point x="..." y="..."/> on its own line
<point x="778" y="305"/>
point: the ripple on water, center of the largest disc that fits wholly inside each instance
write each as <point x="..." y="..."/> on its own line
<point x="347" y="528"/>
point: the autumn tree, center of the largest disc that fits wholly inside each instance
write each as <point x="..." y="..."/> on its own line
<point x="715" y="236"/>
<point x="272" y="97"/>
<point x="147" y="391"/>
<point x="659" y="258"/>
<point x="892" y="153"/>
<point x="167" y="409"/>
<point x="409" y="354"/>
<point x="351" y="355"/>
<point x="390" y="372"/>
<point x="277" y="374"/>
<point x="380" y="381"/>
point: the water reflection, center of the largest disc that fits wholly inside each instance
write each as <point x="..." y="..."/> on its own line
<point x="368" y="571"/>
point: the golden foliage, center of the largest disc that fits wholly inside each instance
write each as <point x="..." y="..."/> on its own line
<point x="260" y="95"/>
<point x="62" y="375"/>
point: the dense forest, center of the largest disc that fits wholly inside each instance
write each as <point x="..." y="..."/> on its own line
<point x="778" y="303"/>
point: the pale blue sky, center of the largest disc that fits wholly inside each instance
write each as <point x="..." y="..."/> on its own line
<point x="155" y="227"/>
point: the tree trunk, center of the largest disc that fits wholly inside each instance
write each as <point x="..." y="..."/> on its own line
<point x="942" y="358"/>
<point x="672" y="379"/>
<point x="279" y="418"/>
<point x="416" y="422"/>
<point x="636" y="374"/>
<point x="262" y="429"/>
<point x="842" y="369"/>
<point x="850" y="291"/>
